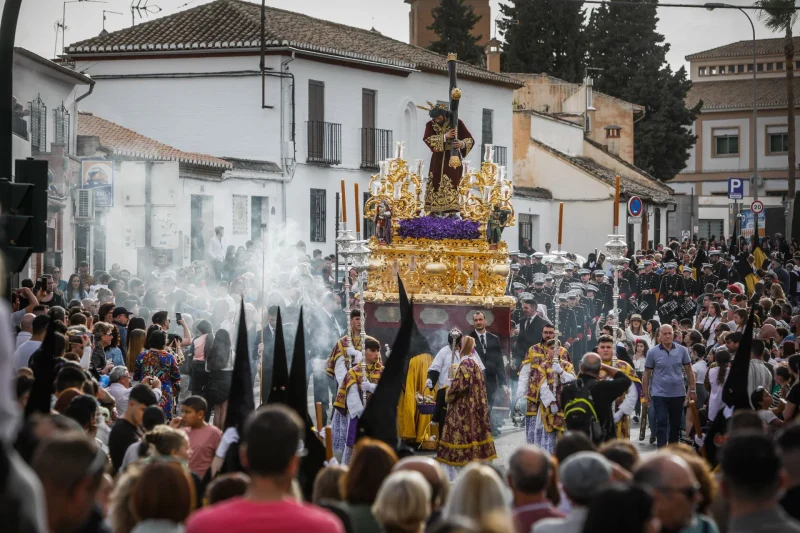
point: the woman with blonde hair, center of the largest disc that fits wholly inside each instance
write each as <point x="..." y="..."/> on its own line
<point x="135" y="347"/>
<point x="467" y="433"/>
<point x="478" y="493"/>
<point x="403" y="503"/>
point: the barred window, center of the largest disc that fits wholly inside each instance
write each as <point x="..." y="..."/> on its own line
<point x="61" y="125"/>
<point x="318" y="215"/>
<point x="38" y="125"/>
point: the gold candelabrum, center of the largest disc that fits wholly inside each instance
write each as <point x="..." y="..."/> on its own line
<point x="448" y="271"/>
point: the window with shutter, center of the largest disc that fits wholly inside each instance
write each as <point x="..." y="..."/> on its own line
<point x="317" y="215"/>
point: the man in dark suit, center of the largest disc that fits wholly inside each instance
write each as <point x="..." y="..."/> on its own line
<point x="491" y="353"/>
<point x="530" y="333"/>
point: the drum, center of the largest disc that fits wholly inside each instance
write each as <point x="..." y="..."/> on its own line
<point x="688" y="307"/>
<point x="668" y="309"/>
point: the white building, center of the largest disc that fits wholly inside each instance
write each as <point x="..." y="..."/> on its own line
<point x="159" y="192"/>
<point x="570" y="147"/>
<point x="47" y="96"/>
<point x="334" y="99"/>
<point x="723" y="80"/>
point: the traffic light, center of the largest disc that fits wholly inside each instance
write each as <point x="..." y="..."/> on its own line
<point x="23" y="221"/>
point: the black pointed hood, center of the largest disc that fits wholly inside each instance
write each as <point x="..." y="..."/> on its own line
<point x="419" y="344"/>
<point x="297" y="399"/>
<point x="277" y="393"/>
<point x="379" y="420"/>
<point x="240" y="398"/>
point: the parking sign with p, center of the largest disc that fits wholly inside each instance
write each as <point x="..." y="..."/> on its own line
<point x="735" y="188"/>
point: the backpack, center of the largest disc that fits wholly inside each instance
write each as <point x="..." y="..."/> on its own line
<point x="580" y="413"/>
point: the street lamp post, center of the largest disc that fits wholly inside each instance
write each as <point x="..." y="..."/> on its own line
<point x="753" y="134"/>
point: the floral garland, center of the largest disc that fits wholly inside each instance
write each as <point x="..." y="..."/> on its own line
<point x="437" y="229"/>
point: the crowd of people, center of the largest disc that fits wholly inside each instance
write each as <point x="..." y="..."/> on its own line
<point x="125" y="384"/>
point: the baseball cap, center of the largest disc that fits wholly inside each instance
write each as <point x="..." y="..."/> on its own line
<point x="120" y="311"/>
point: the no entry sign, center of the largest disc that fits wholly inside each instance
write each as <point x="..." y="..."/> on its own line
<point x="635" y="206"/>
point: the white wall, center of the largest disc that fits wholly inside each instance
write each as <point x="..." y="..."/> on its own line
<point x="20" y="148"/>
<point x="171" y="208"/>
<point x="563" y="137"/>
<point x="564" y="181"/>
<point x="32" y="80"/>
<point x="740" y="162"/>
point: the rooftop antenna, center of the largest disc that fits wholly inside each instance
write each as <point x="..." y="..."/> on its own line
<point x="104" y="16"/>
<point x="190" y="2"/>
<point x="499" y="20"/>
<point x="63" y="23"/>
<point x="140" y="7"/>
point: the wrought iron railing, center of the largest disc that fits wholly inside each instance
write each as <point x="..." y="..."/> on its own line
<point x="324" y="142"/>
<point x="376" y="145"/>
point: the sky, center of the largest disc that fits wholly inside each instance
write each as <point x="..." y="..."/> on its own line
<point x="686" y="30"/>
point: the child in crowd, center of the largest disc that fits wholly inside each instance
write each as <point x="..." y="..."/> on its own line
<point x="762" y="403"/>
<point x="203" y="438"/>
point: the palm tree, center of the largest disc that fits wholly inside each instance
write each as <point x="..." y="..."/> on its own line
<point x="780" y="16"/>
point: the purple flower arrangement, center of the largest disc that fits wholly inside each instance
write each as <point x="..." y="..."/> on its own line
<point x="438" y="229"/>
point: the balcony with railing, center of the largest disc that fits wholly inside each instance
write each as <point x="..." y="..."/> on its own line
<point x="324" y="142"/>
<point x="500" y="154"/>
<point x="19" y="126"/>
<point x="376" y="145"/>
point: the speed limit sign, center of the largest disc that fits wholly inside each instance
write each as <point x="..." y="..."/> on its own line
<point x="757" y="207"/>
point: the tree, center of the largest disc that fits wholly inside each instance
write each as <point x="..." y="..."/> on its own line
<point x="544" y="36"/>
<point x="623" y="42"/>
<point x="780" y="15"/>
<point x="453" y="22"/>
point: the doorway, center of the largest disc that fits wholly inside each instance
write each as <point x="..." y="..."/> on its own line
<point x="259" y="214"/>
<point x="202" y="213"/>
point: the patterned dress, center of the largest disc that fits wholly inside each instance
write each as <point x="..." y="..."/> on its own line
<point x="162" y="365"/>
<point x="543" y="427"/>
<point x="347" y="402"/>
<point x="467" y="435"/>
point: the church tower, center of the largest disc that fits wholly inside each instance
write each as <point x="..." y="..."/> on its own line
<point x="420" y="17"/>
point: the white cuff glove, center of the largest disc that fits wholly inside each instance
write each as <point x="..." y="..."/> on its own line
<point x="429" y="384"/>
<point x="358" y="357"/>
<point x="351" y="351"/>
<point x="557" y="368"/>
<point x="553" y="408"/>
<point x="369" y="387"/>
<point x="618" y="416"/>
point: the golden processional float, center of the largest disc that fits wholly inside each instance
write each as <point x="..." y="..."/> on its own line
<point x="451" y="265"/>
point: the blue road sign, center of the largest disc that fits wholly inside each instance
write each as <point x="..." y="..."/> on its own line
<point x="735" y="188"/>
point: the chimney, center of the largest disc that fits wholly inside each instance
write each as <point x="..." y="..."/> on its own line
<point x="612" y="138"/>
<point x="493" y="55"/>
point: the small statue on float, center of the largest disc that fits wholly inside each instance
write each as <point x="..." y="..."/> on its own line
<point x="496" y="224"/>
<point x="383" y="223"/>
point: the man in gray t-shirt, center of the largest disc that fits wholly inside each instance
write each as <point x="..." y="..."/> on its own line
<point x="664" y="369"/>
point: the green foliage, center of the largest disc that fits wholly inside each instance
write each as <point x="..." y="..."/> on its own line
<point x="623" y="41"/>
<point x="544" y="36"/>
<point x="453" y="22"/>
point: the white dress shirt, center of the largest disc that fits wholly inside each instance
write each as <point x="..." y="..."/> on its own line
<point x="216" y="249"/>
<point x="22" y="338"/>
<point x="24" y="352"/>
<point x="122" y="395"/>
<point x="442" y="362"/>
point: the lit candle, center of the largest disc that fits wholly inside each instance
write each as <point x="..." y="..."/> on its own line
<point x="358" y="212"/>
<point x="399" y="148"/>
<point x="502" y="172"/>
<point x="397" y="190"/>
<point x="488" y="153"/>
<point x="344" y="204"/>
<point x="616" y="206"/>
<point x="384" y="166"/>
<point x="376" y="187"/>
<point x="560" y="222"/>
<point x="487" y="193"/>
<point x="420" y="167"/>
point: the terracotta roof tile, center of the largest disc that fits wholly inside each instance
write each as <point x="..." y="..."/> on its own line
<point x="234" y="24"/>
<point x="638" y="183"/>
<point x="738" y="94"/>
<point x="764" y="47"/>
<point x="124" y="142"/>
